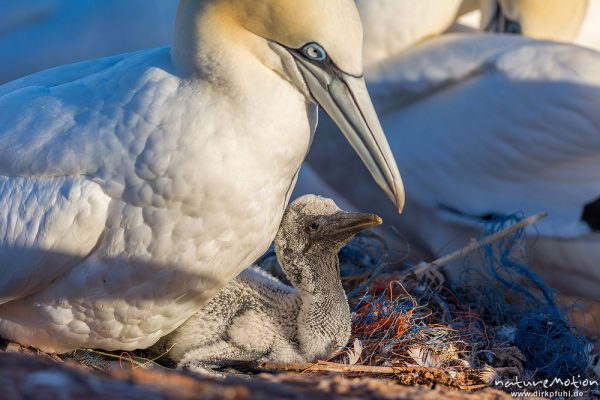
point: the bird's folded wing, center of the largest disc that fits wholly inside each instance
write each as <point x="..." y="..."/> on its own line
<point x="61" y="75"/>
<point x="73" y="120"/>
<point x="60" y="132"/>
<point x="47" y="226"/>
<point x="522" y="134"/>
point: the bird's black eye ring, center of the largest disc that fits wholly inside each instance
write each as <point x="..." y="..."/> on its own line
<point x="314" y="226"/>
<point x="314" y="52"/>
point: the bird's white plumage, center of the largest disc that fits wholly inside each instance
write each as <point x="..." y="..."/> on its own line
<point x="518" y="113"/>
<point x="35" y="235"/>
<point x="188" y="156"/>
<point x="392" y="26"/>
<point x="589" y="35"/>
<point x="127" y="132"/>
<point x="39" y="34"/>
<point x="488" y="124"/>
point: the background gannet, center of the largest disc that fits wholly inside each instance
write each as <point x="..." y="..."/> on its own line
<point x="485" y="125"/>
<point x="392" y="26"/>
<point x="574" y="21"/>
<point x="257" y="318"/>
<point x="133" y="188"/>
<point x="40" y="34"/>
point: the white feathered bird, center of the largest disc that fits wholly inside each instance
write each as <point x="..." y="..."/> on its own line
<point x="133" y="188"/>
<point x="485" y="125"/>
<point x="392" y="26"/>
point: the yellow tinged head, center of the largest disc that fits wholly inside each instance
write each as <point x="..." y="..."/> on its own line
<point x="315" y="45"/>
<point x="333" y="24"/>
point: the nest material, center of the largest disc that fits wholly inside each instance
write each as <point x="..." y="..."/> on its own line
<point x="423" y="331"/>
<point x="501" y="315"/>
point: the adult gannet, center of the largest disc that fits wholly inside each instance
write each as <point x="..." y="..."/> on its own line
<point x="133" y="188"/>
<point x="257" y="318"/>
<point x="489" y="125"/>
<point x="574" y="21"/>
<point x="40" y="34"/>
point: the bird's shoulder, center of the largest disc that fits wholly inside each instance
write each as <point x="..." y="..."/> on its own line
<point x="63" y="74"/>
<point x="104" y="72"/>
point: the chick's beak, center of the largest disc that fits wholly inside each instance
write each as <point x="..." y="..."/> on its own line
<point x="344" y="224"/>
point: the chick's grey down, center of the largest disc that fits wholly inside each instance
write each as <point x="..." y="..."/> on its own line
<point x="134" y="188"/>
<point x="256" y="318"/>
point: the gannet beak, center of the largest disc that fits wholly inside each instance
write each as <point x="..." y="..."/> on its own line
<point x="346" y="100"/>
<point x="345" y="224"/>
<point x="501" y="23"/>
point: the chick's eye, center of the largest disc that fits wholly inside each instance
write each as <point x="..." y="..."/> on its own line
<point x="314" y="52"/>
<point x="314" y="226"/>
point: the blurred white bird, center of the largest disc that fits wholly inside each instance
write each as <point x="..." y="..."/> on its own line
<point x="392" y="26"/>
<point x="133" y="188"/>
<point x="574" y="21"/>
<point x="487" y="125"/>
<point x="40" y="34"/>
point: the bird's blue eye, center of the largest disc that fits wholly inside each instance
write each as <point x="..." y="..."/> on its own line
<point x="314" y="52"/>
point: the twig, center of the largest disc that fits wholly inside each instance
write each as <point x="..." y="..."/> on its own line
<point x="326" y="366"/>
<point x="420" y="268"/>
<point x="414" y="375"/>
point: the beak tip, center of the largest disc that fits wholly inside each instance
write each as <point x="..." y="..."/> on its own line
<point x="398" y="198"/>
<point x="378" y="220"/>
<point x="401" y="207"/>
<point x="400" y="203"/>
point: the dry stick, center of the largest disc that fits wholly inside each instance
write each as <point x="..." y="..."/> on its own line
<point x="325" y="366"/>
<point x="476" y="245"/>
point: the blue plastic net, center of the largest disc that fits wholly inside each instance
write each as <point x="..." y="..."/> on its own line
<point x="512" y="294"/>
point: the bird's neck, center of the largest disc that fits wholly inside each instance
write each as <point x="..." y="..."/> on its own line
<point x="324" y="322"/>
<point x="204" y="35"/>
<point x="548" y="19"/>
<point x="211" y="44"/>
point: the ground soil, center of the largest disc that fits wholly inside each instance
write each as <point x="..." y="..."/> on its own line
<point x="30" y="376"/>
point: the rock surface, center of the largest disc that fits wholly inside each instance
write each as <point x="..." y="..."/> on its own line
<point x="25" y="376"/>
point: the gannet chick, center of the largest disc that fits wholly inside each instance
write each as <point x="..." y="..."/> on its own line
<point x="258" y="318"/>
